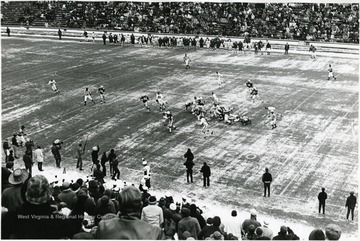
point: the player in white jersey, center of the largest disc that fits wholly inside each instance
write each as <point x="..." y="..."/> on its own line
<point x="331" y="73"/>
<point x="215" y="98"/>
<point x="101" y="91"/>
<point x="220" y="81"/>
<point x="87" y="95"/>
<point x="145" y="100"/>
<point x="93" y="37"/>
<point x="52" y="82"/>
<point x="205" y="124"/>
<point x="187" y="62"/>
<point x="272" y="110"/>
<point x="160" y="99"/>
<point x="272" y="120"/>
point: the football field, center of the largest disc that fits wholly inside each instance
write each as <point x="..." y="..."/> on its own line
<point x="315" y="144"/>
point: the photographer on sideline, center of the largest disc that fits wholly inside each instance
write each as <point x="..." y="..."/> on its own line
<point x="55" y="149"/>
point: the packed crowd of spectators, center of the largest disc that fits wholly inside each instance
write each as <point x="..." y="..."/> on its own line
<point x="36" y="208"/>
<point x="305" y="21"/>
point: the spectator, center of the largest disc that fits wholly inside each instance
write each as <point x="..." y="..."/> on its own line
<point x="317" y="234"/>
<point x="28" y="162"/>
<point x="189" y="165"/>
<point x="104" y="38"/>
<point x="210" y="229"/>
<point x="350" y="204"/>
<point x="128" y="225"/>
<point x="15" y="144"/>
<point x="55" y="149"/>
<point x="322" y="197"/>
<point x="267" y="232"/>
<point x="332" y="232"/>
<point x="8" y="31"/>
<point x="103" y="161"/>
<point x="6" y="148"/>
<point x="87" y="202"/>
<point x="175" y="215"/>
<point x="247" y="222"/>
<point x="169" y="225"/>
<point x="205" y="170"/>
<point x="39" y="157"/>
<point x="12" y="198"/>
<point x="98" y="174"/>
<point x="260" y="235"/>
<point x="189" y="224"/>
<point x="233" y="224"/>
<point x="287" y="47"/>
<point x="282" y="235"/>
<point x="67" y="195"/>
<point x="59" y="34"/>
<point x="195" y="213"/>
<point x="38" y="210"/>
<point x="267" y="179"/>
<point x="217" y="236"/>
<point x="112" y="156"/>
<point x="5" y="174"/>
<point x="145" y="196"/>
<point x="153" y="214"/>
<point x="250" y="235"/>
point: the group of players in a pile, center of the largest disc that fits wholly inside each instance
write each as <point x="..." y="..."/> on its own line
<point x="217" y="110"/>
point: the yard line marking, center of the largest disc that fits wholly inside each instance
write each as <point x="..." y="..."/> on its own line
<point x="326" y="137"/>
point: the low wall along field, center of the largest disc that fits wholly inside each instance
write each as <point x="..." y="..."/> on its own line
<point x="315" y="144"/>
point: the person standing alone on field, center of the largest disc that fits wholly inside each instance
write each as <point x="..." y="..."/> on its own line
<point x="287" y="47"/>
<point x="350" y="204"/>
<point x="189" y="165"/>
<point x="205" y="170"/>
<point x="267" y="179"/>
<point x="8" y="31"/>
<point x="55" y="150"/>
<point x="322" y="197"/>
<point x="79" y="152"/>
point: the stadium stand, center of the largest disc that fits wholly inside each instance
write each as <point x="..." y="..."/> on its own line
<point x="297" y="21"/>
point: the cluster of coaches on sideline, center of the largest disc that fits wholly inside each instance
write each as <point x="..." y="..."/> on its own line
<point x="303" y="21"/>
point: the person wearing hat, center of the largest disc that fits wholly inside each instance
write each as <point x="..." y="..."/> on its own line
<point x="146" y="170"/>
<point x="350" y="204"/>
<point x="189" y="224"/>
<point x="252" y="221"/>
<point x="189" y="164"/>
<point x="175" y="215"/>
<point x="153" y="214"/>
<point x="11" y="198"/>
<point x="332" y="232"/>
<point x="127" y="225"/>
<point x="37" y="218"/>
<point x="168" y="199"/>
<point x="5" y="174"/>
<point x="39" y="157"/>
<point x="55" y="150"/>
<point x="67" y="195"/>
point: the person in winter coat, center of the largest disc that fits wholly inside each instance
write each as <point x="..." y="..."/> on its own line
<point x="205" y="170"/>
<point x="189" y="165"/>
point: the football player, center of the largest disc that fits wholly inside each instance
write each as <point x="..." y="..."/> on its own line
<point x="145" y="100"/>
<point x="160" y="99"/>
<point x="87" y="94"/>
<point x="167" y="115"/>
<point x="331" y="73"/>
<point x="101" y="91"/>
<point x="187" y="62"/>
<point x="52" y="82"/>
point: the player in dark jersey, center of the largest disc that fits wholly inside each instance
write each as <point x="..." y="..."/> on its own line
<point x="167" y="115"/>
<point x="331" y="73"/>
<point x="101" y="91"/>
<point x="255" y="94"/>
<point x="145" y="99"/>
